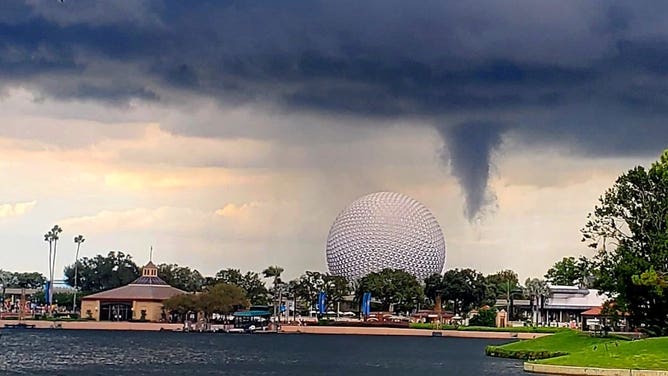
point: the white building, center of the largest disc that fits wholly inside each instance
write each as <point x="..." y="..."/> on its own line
<point x="562" y="306"/>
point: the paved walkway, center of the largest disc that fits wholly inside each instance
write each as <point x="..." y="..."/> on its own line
<point x="95" y="325"/>
<point x="547" y="369"/>
<point x="406" y="332"/>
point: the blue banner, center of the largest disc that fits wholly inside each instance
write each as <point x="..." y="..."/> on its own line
<point x="47" y="287"/>
<point x="322" y="298"/>
<point x="366" y="303"/>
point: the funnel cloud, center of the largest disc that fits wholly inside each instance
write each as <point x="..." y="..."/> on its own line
<point x="469" y="152"/>
<point x="589" y="77"/>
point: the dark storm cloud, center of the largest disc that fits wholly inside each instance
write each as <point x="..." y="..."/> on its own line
<point x="470" y="145"/>
<point x="589" y="75"/>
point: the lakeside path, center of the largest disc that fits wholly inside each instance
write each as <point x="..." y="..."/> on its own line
<point x="406" y="332"/>
<point x="331" y="330"/>
<point x="96" y="325"/>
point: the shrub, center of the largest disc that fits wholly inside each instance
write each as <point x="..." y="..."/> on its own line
<point x="431" y="326"/>
<point x="485" y="317"/>
<point x="500" y="352"/>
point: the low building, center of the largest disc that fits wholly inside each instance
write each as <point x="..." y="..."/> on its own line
<point x="598" y="318"/>
<point x="562" y="306"/>
<point x="140" y="300"/>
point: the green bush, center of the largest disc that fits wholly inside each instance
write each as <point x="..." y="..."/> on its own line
<point x="431" y="326"/>
<point x="500" y="352"/>
<point x="485" y="318"/>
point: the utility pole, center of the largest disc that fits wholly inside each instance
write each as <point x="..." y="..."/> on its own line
<point x="508" y="300"/>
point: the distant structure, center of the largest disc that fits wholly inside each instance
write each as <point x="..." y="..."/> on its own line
<point x="140" y="300"/>
<point x="385" y="230"/>
<point x="563" y="306"/>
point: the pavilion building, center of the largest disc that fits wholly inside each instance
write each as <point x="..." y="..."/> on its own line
<point x="140" y="300"/>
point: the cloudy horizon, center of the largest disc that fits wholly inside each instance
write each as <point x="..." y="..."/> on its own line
<point x="228" y="134"/>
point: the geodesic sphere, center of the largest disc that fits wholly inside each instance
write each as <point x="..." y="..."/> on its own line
<point x="385" y="230"/>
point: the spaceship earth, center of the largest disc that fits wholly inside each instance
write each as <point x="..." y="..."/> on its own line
<point x="385" y="230"/>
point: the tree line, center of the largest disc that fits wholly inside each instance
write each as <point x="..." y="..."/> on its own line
<point x="627" y="229"/>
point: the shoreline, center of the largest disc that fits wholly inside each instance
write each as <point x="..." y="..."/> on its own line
<point x="342" y="330"/>
<point x="94" y="325"/>
<point x="286" y="329"/>
<point x="548" y="369"/>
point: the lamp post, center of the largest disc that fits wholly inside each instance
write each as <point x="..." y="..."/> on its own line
<point x="2" y="290"/>
<point x="78" y="240"/>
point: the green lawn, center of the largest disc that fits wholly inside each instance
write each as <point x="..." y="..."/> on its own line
<point x="566" y="341"/>
<point x="559" y="344"/>
<point x="572" y="348"/>
<point x="643" y="354"/>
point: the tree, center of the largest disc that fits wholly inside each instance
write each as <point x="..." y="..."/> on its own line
<point x="255" y="288"/>
<point x="30" y="280"/>
<point x="52" y="238"/>
<point x="223" y="299"/>
<point x="78" y="240"/>
<point x="629" y="230"/>
<point x="503" y="283"/>
<point x="536" y="289"/>
<point x="466" y="289"/>
<point x="182" y="305"/>
<point x="181" y="277"/>
<point x="5" y="279"/>
<point x="570" y="272"/>
<point x="273" y="272"/>
<point x="307" y="287"/>
<point x="433" y="290"/>
<point x="336" y="287"/>
<point x="485" y="317"/>
<point x="396" y="289"/>
<point x="103" y="273"/>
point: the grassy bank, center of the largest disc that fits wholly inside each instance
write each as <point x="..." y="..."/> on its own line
<point x="651" y="354"/>
<point x="572" y="348"/>
<point x="560" y="344"/>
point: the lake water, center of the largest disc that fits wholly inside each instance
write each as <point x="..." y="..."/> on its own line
<point x="62" y="352"/>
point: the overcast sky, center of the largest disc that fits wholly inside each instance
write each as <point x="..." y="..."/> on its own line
<point x="231" y="133"/>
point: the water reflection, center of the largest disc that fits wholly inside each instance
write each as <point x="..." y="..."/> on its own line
<point x="60" y="352"/>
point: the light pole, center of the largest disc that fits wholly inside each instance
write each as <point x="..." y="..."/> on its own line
<point x="3" y="286"/>
<point x="78" y="240"/>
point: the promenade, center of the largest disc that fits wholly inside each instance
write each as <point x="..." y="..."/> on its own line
<point x="96" y="325"/>
<point x="406" y="332"/>
<point x="287" y="329"/>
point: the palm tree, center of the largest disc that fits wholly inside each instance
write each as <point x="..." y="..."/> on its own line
<point x="52" y="237"/>
<point x="49" y="239"/>
<point x="535" y="289"/>
<point x="275" y="273"/>
<point x="78" y="240"/>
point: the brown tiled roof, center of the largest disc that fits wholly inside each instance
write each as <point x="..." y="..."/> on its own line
<point x="136" y="291"/>
<point x="595" y="311"/>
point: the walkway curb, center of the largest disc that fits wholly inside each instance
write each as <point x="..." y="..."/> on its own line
<point x="588" y="371"/>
